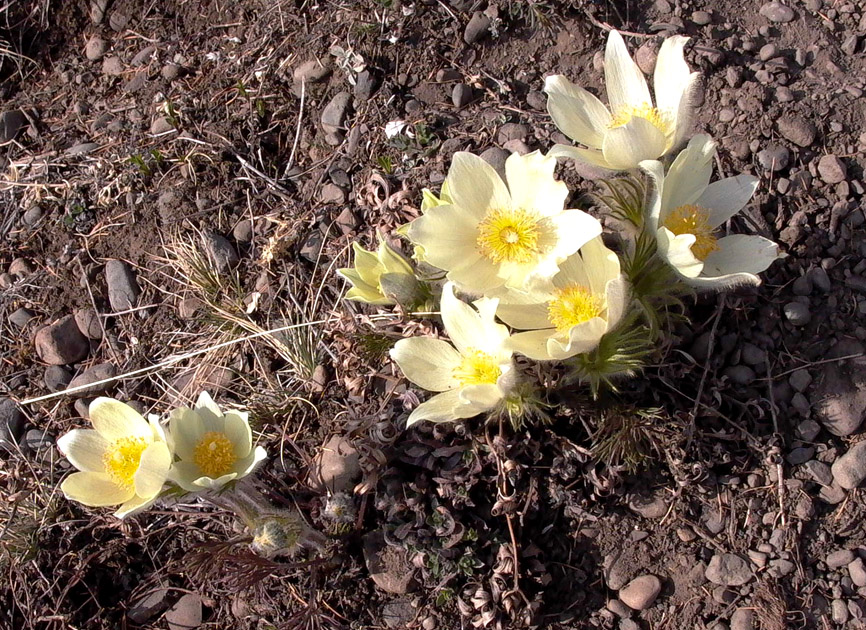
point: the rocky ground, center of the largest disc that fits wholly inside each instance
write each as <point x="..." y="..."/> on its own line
<point x="178" y="175"/>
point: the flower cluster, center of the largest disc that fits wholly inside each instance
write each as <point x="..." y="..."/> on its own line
<point x="540" y="279"/>
<point x="129" y="461"/>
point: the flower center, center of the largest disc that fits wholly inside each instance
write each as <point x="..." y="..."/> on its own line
<point x="509" y="235"/>
<point x="573" y="305"/>
<point x="215" y="454"/>
<point x="691" y="219"/>
<point x="477" y="368"/>
<point x="646" y="111"/>
<point x="121" y="460"/>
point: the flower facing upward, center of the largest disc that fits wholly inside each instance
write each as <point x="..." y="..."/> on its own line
<point x="491" y="236"/>
<point x="212" y="447"/>
<point x="473" y="375"/>
<point x="685" y="212"/>
<point x="633" y="129"/>
<point x="587" y="299"/>
<point x="376" y="274"/>
<point x="123" y="460"/>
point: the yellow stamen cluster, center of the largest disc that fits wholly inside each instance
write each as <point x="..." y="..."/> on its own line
<point x="214" y="454"/>
<point x="477" y="368"/>
<point x="122" y="459"/>
<point x="573" y="305"/>
<point x="691" y="219"/>
<point x="510" y="235"/>
<point x="645" y="111"/>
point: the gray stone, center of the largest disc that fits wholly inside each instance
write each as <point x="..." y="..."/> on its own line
<point x="478" y="27"/>
<point x="95" y="48"/>
<point x="728" y="569"/>
<point x="832" y="494"/>
<point x="11" y="123"/>
<point x="243" y="231"/>
<point x="219" y="250"/>
<point x="61" y="342"/>
<point x="857" y="571"/>
<point x="11" y="424"/>
<point x="839" y="611"/>
<point x="702" y="18"/>
<point x="774" y="157"/>
<point x="21" y="317"/>
<point x="618" y="608"/>
<point x="336" y="468"/>
<point x="820" y="279"/>
<point x="118" y="20"/>
<point x="839" y="398"/>
<point x="646" y="55"/>
<point x="88" y="323"/>
<point x="171" y="71"/>
<point x="800" y="380"/>
<point x="36" y="440"/>
<point x="797" y="129"/>
<point x="797" y="313"/>
<point x="335" y="113"/>
<point x="99" y="372"/>
<point x="147" y="606"/>
<point x="160" y="125"/>
<point x="33" y="215"/>
<point x="56" y="378"/>
<point x="112" y="66"/>
<point x="839" y="558"/>
<point x="800" y="455"/>
<point x="779" y="568"/>
<point x="461" y="95"/>
<point x="849" y="470"/>
<point x="740" y="374"/>
<point x="312" y="71"/>
<point x="123" y="288"/>
<point x="143" y="56"/>
<point x="832" y="170"/>
<point x="365" y="85"/>
<point x="186" y="614"/>
<point x="331" y="193"/>
<point x="97" y="11"/>
<point x="777" y="12"/>
<point x="641" y="592"/>
<point x="82" y="148"/>
<point x="511" y="131"/>
<point x="496" y="158"/>
<point x="743" y="619"/>
<point x="399" y="613"/>
<point x="388" y="565"/>
<point x="819" y="471"/>
<point x="653" y="506"/>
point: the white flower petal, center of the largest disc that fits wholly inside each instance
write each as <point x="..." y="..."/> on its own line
<point x="480" y="276"/>
<point x="727" y="197"/>
<point x="671" y="76"/>
<point x="656" y="172"/>
<point x="741" y="253"/>
<point x="94" y="489"/>
<point x="579" y="339"/>
<point x="85" y="449"/>
<point x="532" y="344"/>
<point x="574" y="228"/>
<point x="237" y="430"/>
<point x="427" y="362"/>
<point x="524" y="316"/>
<point x="482" y="397"/>
<point x="682" y="121"/>
<point x="719" y="283"/>
<point x="115" y="420"/>
<point x="466" y="328"/>
<point x="445" y="407"/>
<point x="186" y="428"/>
<point x="577" y="113"/>
<point x="617" y="296"/>
<point x="689" y="175"/>
<point x="207" y="408"/>
<point x="185" y="474"/>
<point x="624" y="81"/>
<point x="532" y="186"/>
<point x="591" y="157"/>
<point x="475" y="186"/>
<point x="152" y="470"/>
<point x="449" y="236"/>
<point x="626" y="146"/>
<point x="134" y="505"/>
<point x="677" y="250"/>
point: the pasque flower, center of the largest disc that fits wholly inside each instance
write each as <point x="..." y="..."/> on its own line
<point x="634" y="128"/>
<point x="213" y="447"/>
<point x="686" y="211"/>
<point x="124" y="460"/>
<point x="473" y="374"/>
<point x="381" y="277"/>
<point x="588" y="298"/>
<point x="494" y="236"/>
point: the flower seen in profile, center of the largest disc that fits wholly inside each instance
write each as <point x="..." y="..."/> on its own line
<point x="473" y="375"/>
<point x="124" y="460"/>
<point x="633" y="128"/>
<point x="382" y="277"/>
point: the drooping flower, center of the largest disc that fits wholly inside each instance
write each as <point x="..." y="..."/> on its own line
<point x="124" y="460"/>
<point x="686" y="211"/>
<point x="473" y="374"/>
<point x="633" y="129"/>
<point x="493" y="236"/>
<point x="383" y="277"/>
<point x="588" y="298"/>
<point x="212" y="447"/>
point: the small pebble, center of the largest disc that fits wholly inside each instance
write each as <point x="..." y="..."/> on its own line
<point x="797" y="313"/>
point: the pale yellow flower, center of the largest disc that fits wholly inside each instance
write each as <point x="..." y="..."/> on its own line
<point x="492" y="236"/>
<point x="633" y="129"/>
<point x="212" y="447"/>
<point x="473" y="374"/>
<point x="370" y="268"/>
<point x="686" y="211"/>
<point x="124" y="460"/>
<point x="587" y="299"/>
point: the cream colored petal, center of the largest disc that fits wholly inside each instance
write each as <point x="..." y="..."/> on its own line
<point x="448" y="235"/>
<point x="94" y="489"/>
<point x="531" y="182"/>
<point x="617" y="294"/>
<point x="445" y="407"/>
<point x="525" y="316"/>
<point x="135" y="505"/>
<point x="671" y="76"/>
<point x="573" y="229"/>
<point x="367" y="264"/>
<point x="207" y="407"/>
<point x="479" y="277"/>
<point x="727" y="197"/>
<point x="237" y="430"/>
<point x="475" y="186"/>
<point x="206" y="483"/>
<point x="152" y="470"/>
<point x="85" y="449"/>
<point x="597" y="263"/>
<point x="677" y="250"/>
<point x="465" y="327"/>
<point x="427" y="362"/>
<point x="368" y="295"/>
<point x="689" y="175"/>
<point x="186" y="428"/>
<point x="115" y="420"/>
<point x="159" y="430"/>
<point x="682" y="121"/>
<point x="532" y="344"/>
<point x="574" y="271"/>
<point x="741" y="253"/>
<point x="185" y="474"/>
<point x="720" y="283"/>
<point x="481" y="397"/>
<point x="258" y="455"/>
<point x="579" y="339"/>
<point x="392" y="261"/>
<point x="626" y="146"/>
<point x="624" y="81"/>
<point x="577" y="113"/>
<point x="656" y="172"/>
